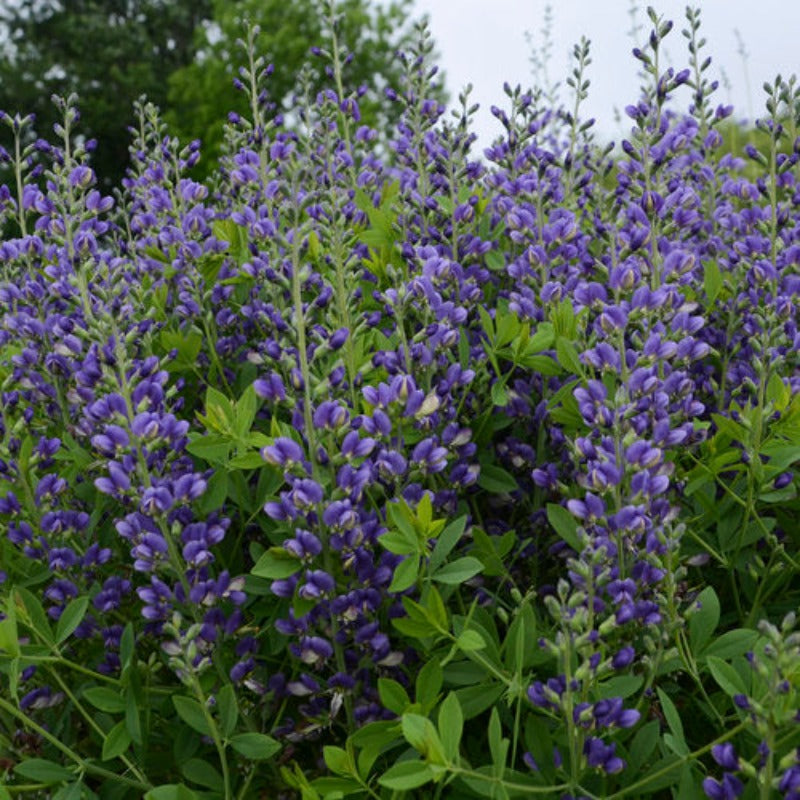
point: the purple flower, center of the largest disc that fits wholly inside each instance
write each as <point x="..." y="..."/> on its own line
<point x="725" y="755"/>
<point x="729" y="788"/>
<point x="429" y="456"/>
<point x="283" y="453"/>
<point x="602" y="756"/>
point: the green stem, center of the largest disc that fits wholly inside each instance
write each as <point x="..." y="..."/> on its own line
<point x="343" y="308"/>
<point x="215" y="735"/>
<point x="525" y="788"/>
<point x="337" y="75"/>
<point x="18" y="173"/>
<point x="310" y="433"/>
<point x="687" y="759"/>
<point x="246" y="784"/>
<point x="85" y="766"/>
<point x="765" y="789"/>
<point x="90" y="721"/>
<point x="212" y="351"/>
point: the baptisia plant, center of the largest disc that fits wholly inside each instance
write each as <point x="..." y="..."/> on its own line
<point x="388" y="468"/>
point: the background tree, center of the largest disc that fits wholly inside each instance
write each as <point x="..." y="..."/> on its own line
<point x="201" y="93"/>
<point x="182" y="55"/>
<point x="109" y="52"/>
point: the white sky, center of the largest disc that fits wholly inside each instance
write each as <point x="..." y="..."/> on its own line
<point x="482" y="42"/>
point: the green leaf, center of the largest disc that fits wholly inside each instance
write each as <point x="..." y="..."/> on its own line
<point x="674" y="722"/>
<point x="171" y="791"/>
<point x="213" y="449"/>
<point x="542" y="339"/>
<point x="126" y="645"/>
<point x="188" y="346"/>
<point x="416" y="629"/>
<point x="220" y="411"/>
<point x="732" y="643"/>
<point x="564" y="525"/>
<point x="470" y="640"/>
<point x="689" y="786"/>
<point x="334" y="788"/>
<point x="498" y="746"/>
<point x="451" y="725"/>
<point x="215" y="494"/>
<point x="400" y="543"/>
<point x="132" y="721"/>
<point x="429" y="683"/>
<point x="463" y="349"/>
<point x="662" y="774"/>
<point x="72" y="791"/>
<point x="407" y="775"/>
<point x="43" y="770"/>
<point x="403" y="518"/>
<point x="491" y="550"/>
<point x="435" y="609"/>
<point x="704" y="621"/>
<point x="544" y="365"/>
<point x="499" y="394"/>
<point x="712" y="281"/>
<point x="239" y="492"/>
<point x="9" y="634"/>
<point x="496" y="480"/>
<point x="35" y="611"/>
<point x="421" y="734"/>
<point x="567" y="355"/>
<point x="250" y="460"/>
<point x="381" y="734"/>
<point x="337" y="760"/>
<point x="393" y="695"/>
<point x="228" y="709"/>
<point x="202" y="773"/>
<point x="70" y="618"/>
<point x="424" y="512"/>
<point x="519" y="646"/>
<point x="446" y="541"/>
<point x="780" y="456"/>
<point x="276" y="564"/>
<point x="405" y="574"/>
<point x="643" y="745"/>
<point x="726" y="676"/>
<point x="24" y="456"/>
<point x="507" y="328"/>
<point x="563" y="319"/>
<point x="255" y="746"/>
<point x="191" y="712"/>
<point x="495" y="261"/>
<point x="458" y="571"/>
<point x="778" y="392"/>
<point x="246" y="408"/>
<point x="117" y="741"/>
<point x="474" y="700"/>
<point x="105" y="699"/>
<point x="730" y="428"/>
<point x="620" y="686"/>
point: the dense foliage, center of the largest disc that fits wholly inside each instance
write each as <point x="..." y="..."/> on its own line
<point x="181" y="55"/>
<point x="109" y="53"/>
<point x="407" y="473"/>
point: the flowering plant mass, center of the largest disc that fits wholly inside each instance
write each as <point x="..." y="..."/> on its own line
<point x="388" y="470"/>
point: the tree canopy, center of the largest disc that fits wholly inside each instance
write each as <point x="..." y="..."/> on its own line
<point x="108" y="52"/>
<point x="182" y="55"/>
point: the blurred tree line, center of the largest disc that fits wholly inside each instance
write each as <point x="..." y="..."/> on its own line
<point x="182" y="55"/>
